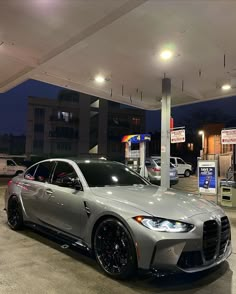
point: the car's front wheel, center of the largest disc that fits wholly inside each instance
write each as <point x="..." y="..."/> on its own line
<point x="14" y="214"/>
<point x="114" y="249"/>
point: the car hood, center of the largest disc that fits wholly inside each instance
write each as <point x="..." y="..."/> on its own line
<point x="157" y="201"/>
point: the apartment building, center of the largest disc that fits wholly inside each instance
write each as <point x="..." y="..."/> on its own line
<point x="79" y="124"/>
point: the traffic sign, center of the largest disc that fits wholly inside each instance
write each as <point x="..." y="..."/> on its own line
<point x="228" y="136"/>
<point x="177" y="136"/>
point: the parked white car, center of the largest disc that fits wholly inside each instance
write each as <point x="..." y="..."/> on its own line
<point x="182" y="167"/>
<point x="8" y="167"/>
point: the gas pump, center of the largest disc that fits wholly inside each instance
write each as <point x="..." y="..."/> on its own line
<point x="135" y="154"/>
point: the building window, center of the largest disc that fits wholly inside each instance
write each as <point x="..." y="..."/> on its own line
<point x="38" y="144"/>
<point x="39" y="113"/>
<point x="39" y="128"/>
<point x="136" y="121"/>
<point x="64" y="146"/>
<point x="64" y="132"/>
<point x="63" y="115"/>
<point x="190" y="146"/>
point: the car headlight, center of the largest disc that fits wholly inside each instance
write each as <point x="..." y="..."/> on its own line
<point x="164" y="225"/>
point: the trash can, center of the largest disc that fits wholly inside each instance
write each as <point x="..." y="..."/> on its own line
<point x="228" y="195"/>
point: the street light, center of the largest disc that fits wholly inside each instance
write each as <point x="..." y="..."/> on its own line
<point x="226" y="87"/>
<point x="166" y="54"/>
<point x="99" y="79"/>
<point x="203" y="140"/>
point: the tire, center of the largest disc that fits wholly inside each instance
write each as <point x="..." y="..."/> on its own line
<point x="114" y="249"/>
<point x="187" y="173"/>
<point x="14" y="214"/>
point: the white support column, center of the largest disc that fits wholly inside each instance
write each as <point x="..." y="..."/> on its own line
<point x="165" y="133"/>
<point x="142" y="150"/>
<point x="127" y="150"/>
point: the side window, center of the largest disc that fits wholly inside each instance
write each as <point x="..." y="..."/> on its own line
<point x="43" y="171"/>
<point x="148" y="162"/>
<point x="158" y="162"/>
<point x="29" y="174"/>
<point x="172" y="160"/>
<point x="64" y="175"/>
<point x="10" y="163"/>
<point x="180" y="161"/>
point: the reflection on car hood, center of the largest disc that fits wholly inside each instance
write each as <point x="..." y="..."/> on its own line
<point x="156" y="201"/>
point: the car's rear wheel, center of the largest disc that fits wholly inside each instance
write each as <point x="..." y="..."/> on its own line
<point x="14" y="214"/>
<point x="114" y="249"/>
<point x="187" y="173"/>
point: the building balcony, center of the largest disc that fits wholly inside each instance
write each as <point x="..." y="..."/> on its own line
<point x="55" y="119"/>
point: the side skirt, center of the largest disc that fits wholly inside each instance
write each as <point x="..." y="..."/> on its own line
<point x="57" y="234"/>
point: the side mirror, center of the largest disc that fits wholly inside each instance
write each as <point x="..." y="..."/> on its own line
<point x="69" y="182"/>
<point x="77" y="185"/>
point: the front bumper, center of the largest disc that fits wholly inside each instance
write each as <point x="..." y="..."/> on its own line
<point x="176" y="258"/>
<point x="181" y="252"/>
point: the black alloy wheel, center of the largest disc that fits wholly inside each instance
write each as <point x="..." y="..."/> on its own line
<point x="14" y="214"/>
<point x="114" y="249"/>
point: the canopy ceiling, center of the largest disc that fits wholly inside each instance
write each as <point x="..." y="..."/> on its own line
<point x="69" y="42"/>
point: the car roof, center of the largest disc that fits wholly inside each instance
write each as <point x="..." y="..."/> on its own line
<point x="95" y="161"/>
<point x="81" y="160"/>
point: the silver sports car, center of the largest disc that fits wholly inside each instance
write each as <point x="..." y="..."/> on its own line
<point x="108" y="209"/>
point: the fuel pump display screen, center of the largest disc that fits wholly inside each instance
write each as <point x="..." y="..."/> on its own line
<point x="135" y="150"/>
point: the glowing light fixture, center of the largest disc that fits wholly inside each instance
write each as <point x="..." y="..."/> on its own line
<point x="99" y="79"/>
<point x="226" y="87"/>
<point x="166" y="54"/>
<point x="201" y="132"/>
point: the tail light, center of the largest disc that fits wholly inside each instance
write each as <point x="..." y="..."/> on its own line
<point x="9" y="183"/>
<point x="156" y="169"/>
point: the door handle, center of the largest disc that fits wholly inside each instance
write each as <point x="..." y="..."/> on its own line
<point x="49" y="191"/>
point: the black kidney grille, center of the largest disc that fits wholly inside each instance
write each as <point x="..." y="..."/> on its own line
<point x="210" y="239"/>
<point x="225" y="234"/>
<point x="216" y="238"/>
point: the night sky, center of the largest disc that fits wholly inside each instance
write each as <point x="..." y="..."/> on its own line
<point x="13" y="105"/>
<point x="13" y="108"/>
<point x="220" y="110"/>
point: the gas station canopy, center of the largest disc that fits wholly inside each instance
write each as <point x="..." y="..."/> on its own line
<point x="111" y="48"/>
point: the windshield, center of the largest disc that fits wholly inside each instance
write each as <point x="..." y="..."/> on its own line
<point x="101" y="174"/>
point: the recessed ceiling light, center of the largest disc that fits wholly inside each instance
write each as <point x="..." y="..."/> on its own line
<point x="99" y="79"/>
<point x="166" y="54"/>
<point x="226" y="87"/>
